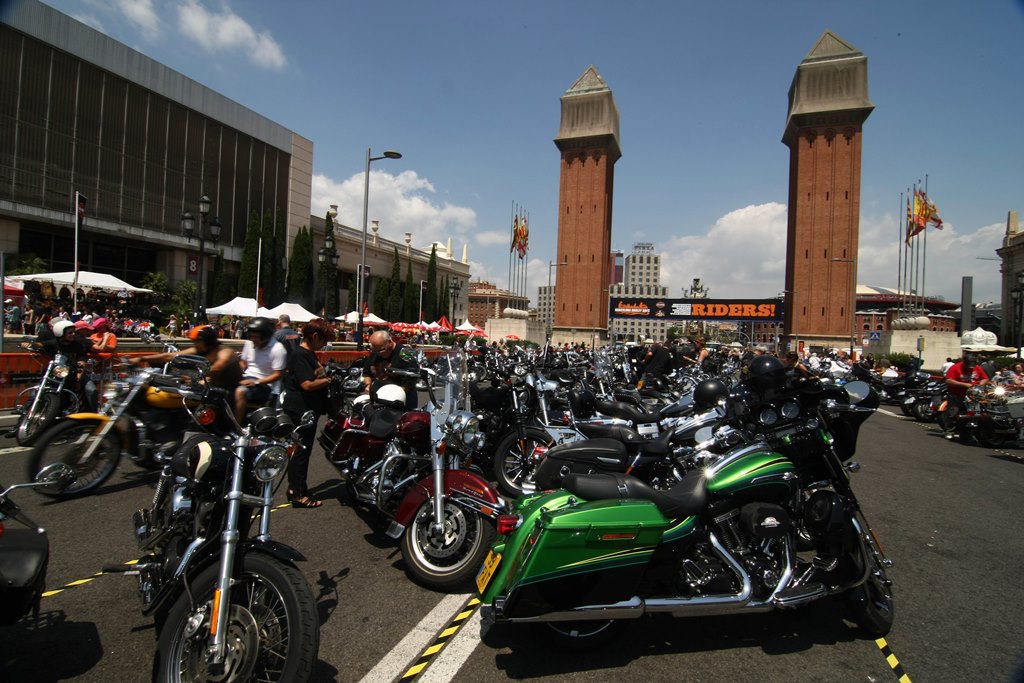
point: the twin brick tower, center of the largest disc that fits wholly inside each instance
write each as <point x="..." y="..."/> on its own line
<point x="828" y="104"/>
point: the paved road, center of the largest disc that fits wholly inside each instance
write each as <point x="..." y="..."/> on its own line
<point x="948" y="515"/>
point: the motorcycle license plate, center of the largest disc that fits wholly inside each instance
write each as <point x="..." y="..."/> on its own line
<point x="647" y="429"/>
<point x="487" y="571"/>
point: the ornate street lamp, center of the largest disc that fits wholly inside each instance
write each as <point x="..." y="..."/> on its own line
<point x="210" y="232"/>
<point x="361" y="291"/>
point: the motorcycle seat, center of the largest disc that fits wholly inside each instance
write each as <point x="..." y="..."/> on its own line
<point x="686" y="498"/>
<point x="382" y="422"/>
<point x="23" y="556"/>
<point x="683" y="406"/>
<point x="620" y="433"/>
<point x="627" y="412"/>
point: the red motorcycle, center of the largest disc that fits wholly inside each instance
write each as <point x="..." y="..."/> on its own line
<point x="408" y="466"/>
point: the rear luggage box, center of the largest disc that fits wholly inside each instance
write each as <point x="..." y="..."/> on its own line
<point x="590" y="554"/>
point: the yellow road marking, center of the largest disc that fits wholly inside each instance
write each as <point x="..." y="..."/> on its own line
<point x="432" y="650"/>
<point x="415" y="670"/>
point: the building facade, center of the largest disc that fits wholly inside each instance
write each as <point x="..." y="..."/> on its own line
<point x="81" y="112"/>
<point x="487" y="301"/>
<point x="828" y="104"/>
<point x="380" y="258"/>
<point x="1011" y="256"/>
<point x="641" y="278"/>
<point x="588" y="140"/>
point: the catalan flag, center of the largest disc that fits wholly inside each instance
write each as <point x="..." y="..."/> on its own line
<point x="515" y="235"/>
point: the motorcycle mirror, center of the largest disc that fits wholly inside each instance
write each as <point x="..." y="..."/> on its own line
<point x="857" y="391"/>
<point x="308" y="418"/>
<point x="55" y="477"/>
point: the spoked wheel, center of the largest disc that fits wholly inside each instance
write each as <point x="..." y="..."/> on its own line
<point x="581" y="635"/>
<point x="34" y="422"/>
<point x="273" y="632"/>
<point x="923" y="412"/>
<point x="445" y="560"/>
<point x="989" y="438"/>
<point x="67" y="442"/>
<point x="516" y="459"/>
<point x="871" y="603"/>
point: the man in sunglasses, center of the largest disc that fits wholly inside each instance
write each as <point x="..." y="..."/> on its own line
<point x="387" y="354"/>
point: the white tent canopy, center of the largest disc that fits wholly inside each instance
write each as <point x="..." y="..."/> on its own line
<point x="371" y="319"/>
<point x="86" y="280"/>
<point x="467" y="326"/>
<point x="297" y="313"/>
<point x="352" y="318"/>
<point x="240" y="306"/>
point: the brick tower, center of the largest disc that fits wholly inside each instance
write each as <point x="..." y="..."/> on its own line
<point x="828" y="104"/>
<point x="589" y="142"/>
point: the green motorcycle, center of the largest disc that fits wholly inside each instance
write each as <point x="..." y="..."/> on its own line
<point x="768" y="524"/>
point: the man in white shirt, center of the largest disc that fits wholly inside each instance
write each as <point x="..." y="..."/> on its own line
<point x="263" y="362"/>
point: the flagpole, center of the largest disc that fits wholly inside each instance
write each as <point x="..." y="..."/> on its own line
<point x="924" y="256"/>
<point x="76" y="212"/>
<point x="512" y="242"/>
<point x="899" y="250"/>
<point x="905" y="296"/>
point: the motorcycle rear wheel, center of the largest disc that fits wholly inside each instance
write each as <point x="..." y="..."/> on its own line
<point x="988" y="437"/>
<point x="513" y="462"/>
<point x="273" y="627"/>
<point x="445" y="563"/>
<point x="31" y="425"/>
<point x="65" y="442"/>
<point x="923" y="412"/>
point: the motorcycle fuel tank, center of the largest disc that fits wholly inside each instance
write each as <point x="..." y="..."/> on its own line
<point x="414" y="429"/>
<point x="754" y="473"/>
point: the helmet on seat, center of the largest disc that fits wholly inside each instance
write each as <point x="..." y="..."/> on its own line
<point x="391" y="395"/>
<point x="710" y="393"/>
<point x="766" y="373"/>
<point x="582" y="401"/>
<point x="261" y="326"/>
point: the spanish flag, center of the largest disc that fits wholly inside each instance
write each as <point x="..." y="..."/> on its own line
<point x="515" y="235"/>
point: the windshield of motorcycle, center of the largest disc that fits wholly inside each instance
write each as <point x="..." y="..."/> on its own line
<point x="452" y="369"/>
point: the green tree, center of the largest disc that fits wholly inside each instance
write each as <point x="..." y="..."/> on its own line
<point x="395" y="290"/>
<point x="184" y="299"/>
<point x="280" y="247"/>
<point x="28" y="264"/>
<point x="430" y="296"/>
<point x="300" y="268"/>
<point x="327" y="277"/>
<point x="223" y="282"/>
<point x="444" y="299"/>
<point x="158" y="282"/>
<point x="380" y="297"/>
<point x="250" y="256"/>
<point x="352" y="305"/>
<point x="410" y="297"/>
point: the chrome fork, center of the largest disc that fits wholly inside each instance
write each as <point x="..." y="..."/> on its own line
<point x="229" y="541"/>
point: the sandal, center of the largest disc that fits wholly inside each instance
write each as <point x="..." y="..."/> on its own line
<point x="303" y="501"/>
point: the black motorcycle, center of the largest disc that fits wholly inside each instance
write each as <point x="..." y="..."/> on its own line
<point x="25" y="552"/>
<point x="229" y="602"/>
<point x="40" y="406"/>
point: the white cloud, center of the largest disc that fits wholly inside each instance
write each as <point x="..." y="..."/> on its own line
<point x="491" y="238"/>
<point x="402" y="203"/>
<point x="226" y="31"/>
<point x="744" y="254"/>
<point x="142" y="14"/>
<point x="89" y="20"/>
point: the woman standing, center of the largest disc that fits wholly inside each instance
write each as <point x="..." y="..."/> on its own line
<point x="305" y="384"/>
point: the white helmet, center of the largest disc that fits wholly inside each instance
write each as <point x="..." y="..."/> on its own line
<point x="59" y="327"/>
<point x="360" y="402"/>
<point x="391" y="395"/>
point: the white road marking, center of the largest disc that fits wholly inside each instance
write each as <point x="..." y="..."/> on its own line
<point x="14" y="449"/>
<point x="889" y="412"/>
<point x="449" y="660"/>
<point x="415" y="641"/>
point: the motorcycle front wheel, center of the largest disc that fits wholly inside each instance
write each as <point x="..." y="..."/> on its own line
<point x="447" y="560"/>
<point x="988" y="437"/>
<point x="67" y="442"/>
<point x="923" y="412"/>
<point x="514" y="461"/>
<point x="273" y="632"/>
<point x="33" y="423"/>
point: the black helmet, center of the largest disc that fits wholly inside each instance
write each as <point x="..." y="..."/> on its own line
<point x="710" y="393"/>
<point x="262" y="326"/>
<point x="766" y="373"/>
<point x="583" y="401"/>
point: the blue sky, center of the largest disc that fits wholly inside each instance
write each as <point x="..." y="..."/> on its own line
<point x="468" y="92"/>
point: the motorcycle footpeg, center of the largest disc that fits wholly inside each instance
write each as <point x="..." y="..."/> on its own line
<point x="119" y="568"/>
<point x="798" y="595"/>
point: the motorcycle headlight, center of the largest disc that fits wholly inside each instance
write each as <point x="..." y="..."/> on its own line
<point x="999" y="391"/>
<point x="463" y="427"/>
<point x="113" y="390"/>
<point x="269" y="463"/>
<point x="61" y="371"/>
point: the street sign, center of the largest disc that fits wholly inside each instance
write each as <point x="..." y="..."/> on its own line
<point x="875" y="336"/>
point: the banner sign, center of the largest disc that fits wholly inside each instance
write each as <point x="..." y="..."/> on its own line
<point x="757" y="310"/>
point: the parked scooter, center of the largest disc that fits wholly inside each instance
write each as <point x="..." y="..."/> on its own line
<point x="25" y="552"/>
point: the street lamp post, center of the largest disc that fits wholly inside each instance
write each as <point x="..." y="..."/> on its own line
<point x="1017" y="294"/>
<point x="551" y="297"/>
<point x="423" y="288"/>
<point x="188" y="227"/>
<point x="455" y="288"/>
<point x="328" y="257"/>
<point x="361" y="291"/>
<point x="853" y="297"/>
